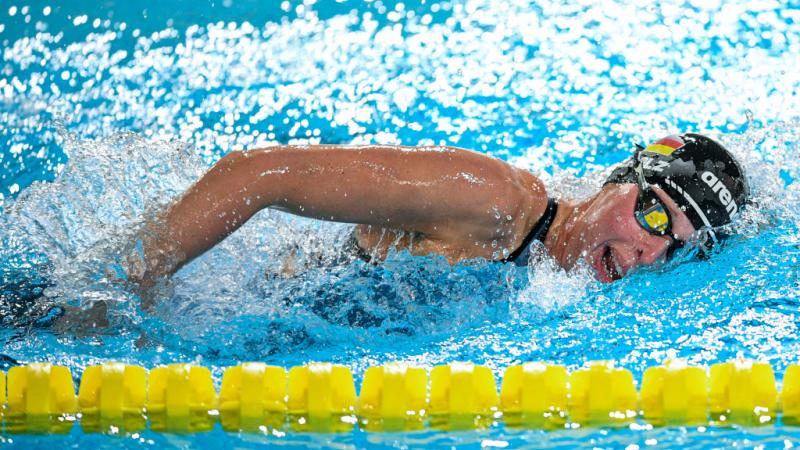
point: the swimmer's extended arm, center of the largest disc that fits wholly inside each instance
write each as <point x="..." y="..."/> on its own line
<point x="446" y="193"/>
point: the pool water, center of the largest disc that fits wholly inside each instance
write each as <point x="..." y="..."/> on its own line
<point x="109" y="111"/>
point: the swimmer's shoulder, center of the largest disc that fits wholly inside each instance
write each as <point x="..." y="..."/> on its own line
<point x="521" y="201"/>
<point x="532" y="194"/>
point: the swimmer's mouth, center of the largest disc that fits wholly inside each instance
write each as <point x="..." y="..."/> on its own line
<point x="611" y="266"/>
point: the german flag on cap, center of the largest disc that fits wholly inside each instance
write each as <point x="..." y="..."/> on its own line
<point x="666" y="145"/>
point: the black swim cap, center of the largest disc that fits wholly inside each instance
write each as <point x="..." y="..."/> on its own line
<point x="698" y="173"/>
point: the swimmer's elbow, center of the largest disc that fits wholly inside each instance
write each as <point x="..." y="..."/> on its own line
<point x="258" y="177"/>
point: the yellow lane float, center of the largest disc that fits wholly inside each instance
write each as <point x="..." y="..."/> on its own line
<point x="322" y="397"/>
<point x="41" y="399"/>
<point x="463" y="396"/>
<point x="674" y="394"/>
<point x="253" y="397"/>
<point x="112" y="398"/>
<point x="602" y="395"/>
<point x="393" y="397"/>
<point x="743" y="392"/>
<point x="181" y="399"/>
<point x="534" y="395"/>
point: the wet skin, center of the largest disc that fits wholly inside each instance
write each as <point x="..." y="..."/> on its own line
<point x="601" y="230"/>
<point x="604" y="232"/>
<point x="454" y="202"/>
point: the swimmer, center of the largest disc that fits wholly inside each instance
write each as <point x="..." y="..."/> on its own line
<point x="460" y="204"/>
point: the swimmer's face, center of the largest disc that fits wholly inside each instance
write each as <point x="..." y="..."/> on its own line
<point x="607" y="236"/>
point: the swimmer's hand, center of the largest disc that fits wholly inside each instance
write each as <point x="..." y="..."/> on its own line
<point x="147" y="286"/>
<point x="149" y="264"/>
<point x="82" y="322"/>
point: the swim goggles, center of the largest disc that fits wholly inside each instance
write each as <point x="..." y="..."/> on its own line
<point x="652" y="214"/>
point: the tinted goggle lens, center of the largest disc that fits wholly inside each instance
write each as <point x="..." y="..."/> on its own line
<point x="652" y="216"/>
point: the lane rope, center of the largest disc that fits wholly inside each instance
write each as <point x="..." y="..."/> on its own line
<point x="321" y="397"/>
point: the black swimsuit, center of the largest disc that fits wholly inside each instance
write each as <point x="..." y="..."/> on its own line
<point x="520" y="255"/>
<point x="538" y="232"/>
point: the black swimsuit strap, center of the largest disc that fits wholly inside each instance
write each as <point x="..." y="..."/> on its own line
<point x="539" y="230"/>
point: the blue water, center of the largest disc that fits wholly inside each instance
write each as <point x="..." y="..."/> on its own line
<point x="109" y="111"/>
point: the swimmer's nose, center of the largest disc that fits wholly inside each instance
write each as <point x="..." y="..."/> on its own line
<point x="654" y="248"/>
